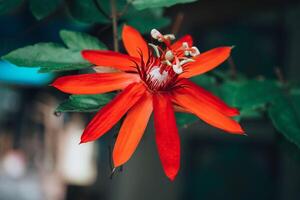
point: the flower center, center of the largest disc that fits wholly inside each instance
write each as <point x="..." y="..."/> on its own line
<point x="156" y="76"/>
<point x="161" y="70"/>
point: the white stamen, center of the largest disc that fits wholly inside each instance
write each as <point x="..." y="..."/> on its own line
<point x="168" y="63"/>
<point x="155" y="34"/>
<point x="186" y="53"/>
<point x="194" y="52"/>
<point x="185" y="45"/>
<point x="169" y="55"/>
<point x="160" y="39"/>
<point x="169" y="37"/>
<point x="155" y="49"/>
<point x="177" y="69"/>
<point x="156" y="75"/>
<point x="186" y="61"/>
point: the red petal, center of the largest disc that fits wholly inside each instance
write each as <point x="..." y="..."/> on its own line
<point x="134" y="43"/>
<point x="180" y="109"/>
<point x="206" y="61"/>
<point x="167" y="138"/>
<point x="110" y="59"/>
<point x="94" y="83"/>
<point x="183" y="98"/>
<point x="208" y="98"/>
<point x="132" y="130"/>
<point x="110" y="114"/>
<point x="187" y="38"/>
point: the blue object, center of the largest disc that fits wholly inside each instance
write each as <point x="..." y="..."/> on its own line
<point x="12" y="74"/>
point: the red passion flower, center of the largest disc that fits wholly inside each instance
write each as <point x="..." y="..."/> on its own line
<point x="152" y="78"/>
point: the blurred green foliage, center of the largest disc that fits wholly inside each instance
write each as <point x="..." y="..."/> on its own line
<point x="7" y="6"/>
<point x="84" y="103"/>
<point x="143" y="4"/>
<point x="42" y="8"/>
<point x="78" y="41"/>
<point x="48" y="56"/>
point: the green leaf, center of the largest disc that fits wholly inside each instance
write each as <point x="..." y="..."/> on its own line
<point x="146" y="20"/>
<point x="60" y="69"/>
<point x="255" y="93"/>
<point x="79" y="41"/>
<point x="86" y="11"/>
<point x="285" y="116"/>
<point x="249" y="114"/>
<point x="143" y="4"/>
<point x="84" y="103"/>
<point x="42" y="8"/>
<point x="183" y="120"/>
<point x="226" y="75"/>
<point x="47" y="55"/>
<point x="7" y="6"/>
<point x="205" y="81"/>
<point x="228" y="91"/>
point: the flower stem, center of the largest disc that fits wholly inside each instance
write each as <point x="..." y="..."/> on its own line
<point x="114" y="24"/>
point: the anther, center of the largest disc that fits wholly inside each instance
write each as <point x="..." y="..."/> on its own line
<point x="169" y="37"/>
<point x="169" y="55"/>
<point x="155" y="34"/>
<point x="168" y="62"/>
<point x="185" y="45"/>
<point x="186" y="53"/>
<point x="177" y="69"/>
<point x="194" y="51"/>
<point x="160" y="39"/>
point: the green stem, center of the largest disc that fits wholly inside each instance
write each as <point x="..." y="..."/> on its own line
<point x="114" y="24"/>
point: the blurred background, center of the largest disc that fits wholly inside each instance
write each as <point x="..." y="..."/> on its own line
<point x="40" y="158"/>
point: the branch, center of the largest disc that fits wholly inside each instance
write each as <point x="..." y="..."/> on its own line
<point x="115" y="24"/>
<point x="177" y="24"/>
